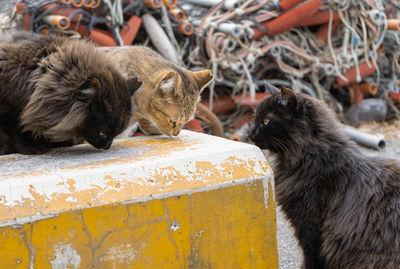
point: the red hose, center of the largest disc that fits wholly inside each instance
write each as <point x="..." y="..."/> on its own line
<point x="395" y="96"/>
<point x="63" y="11"/>
<point x="129" y="31"/>
<point x="369" y="88"/>
<point x="246" y="101"/>
<point x="289" y="19"/>
<point x="99" y="36"/>
<point x="22" y="9"/>
<point x="357" y="93"/>
<point x="351" y="74"/>
<point x="194" y="125"/>
<point x="287" y="4"/>
<point x="222" y="105"/>
<point x="323" y="31"/>
<point x="319" y="17"/>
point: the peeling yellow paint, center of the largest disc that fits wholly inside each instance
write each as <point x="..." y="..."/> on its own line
<point x="168" y="179"/>
<point x="224" y="228"/>
<point x="220" y="212"/>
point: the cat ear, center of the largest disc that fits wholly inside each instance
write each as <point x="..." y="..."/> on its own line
<point x="168" y="81"/>
<point x="202" y="77"/>
<point x="133" y="84"/>
<point x="88" y="90"/>
<point x="287" y="98"/>
<point x="271" y="89"/>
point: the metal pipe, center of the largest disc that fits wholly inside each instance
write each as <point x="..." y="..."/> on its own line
<point x="170" y="3"/>
<point x="351" y="74"/>
<point x="159" y="38"/>
<point x="130" y="30"/>
<point x="364" y="139"/>
<point x="393" y="24"/>
<point x="231" y="29"/>
<point x="228" y="4"/>
<point x="186" y="28"/>
<point x="288" y="19"/>
<point x="178" y="14"/>
<point x="153" y="3"/>
<point x="61" y="22"/>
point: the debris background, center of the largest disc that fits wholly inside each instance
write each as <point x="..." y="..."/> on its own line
<point x="345" y="52"/>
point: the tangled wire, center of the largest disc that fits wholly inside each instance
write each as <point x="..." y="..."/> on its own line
<point x="341" y="51"/>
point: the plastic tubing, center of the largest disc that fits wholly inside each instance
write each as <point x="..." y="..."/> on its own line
<point x="287" y="4"/>
<point x="393" y="24"/>
<point x="61" y="22"/>
<point x="88" y="3"/>
<point x="159" y="38"/>
<point x="55" y="10"/>
<point x="369" y="88"/>
<point x="96" y="3"/>
<point x="170" y="3"/>
<point x="223" y="104"/>
<point x="319" y="17"/>
<point x="194" y="125"/>
<point x="395" y="96"/>
<point x="208" y="117"/>
<point x="152" y="3"/>
<point x="102" y="37"/>
<point x="130" y="30"/>
<point x="323" y="31"/>
<point x="228" y="4"/>
<point x="351" y="74"/>
<point x="364" y="139"/>
<point x="289" y="19"/>
<point x="77" y="3"/>
<point x="99" y="36"/>
<point x="246" y="101"/>
<point x="178" y="14"/>
<point x="186" y="28"/>
<point x="230" y="28"/>
<point x="357" y="97"/>
<point x="22" y="9"/>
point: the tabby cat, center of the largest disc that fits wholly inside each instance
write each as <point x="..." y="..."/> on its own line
<point x="344" y="206"/>
<point x="169" y="93"/>
<point x="58" y="92"/>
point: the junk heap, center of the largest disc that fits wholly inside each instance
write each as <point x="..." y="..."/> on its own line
<point x="345" y="52"/>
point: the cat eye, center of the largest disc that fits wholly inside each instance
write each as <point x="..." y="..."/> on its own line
<point x="173" y="123"/>
<point x="266" y="121"/>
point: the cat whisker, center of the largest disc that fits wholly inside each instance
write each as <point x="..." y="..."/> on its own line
<point x="280" y="143"/>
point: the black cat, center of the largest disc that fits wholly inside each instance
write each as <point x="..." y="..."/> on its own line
<point x="344" y="206"/>
<point x="56" y="92"/>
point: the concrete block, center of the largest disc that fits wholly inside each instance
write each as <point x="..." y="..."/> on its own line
<point x="195" y="201"/>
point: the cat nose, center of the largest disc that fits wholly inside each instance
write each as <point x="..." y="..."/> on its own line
<point x="108" y="143"/>
<point x="176" y="132"/>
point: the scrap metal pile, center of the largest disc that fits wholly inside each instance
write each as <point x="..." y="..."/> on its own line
<point x="343" y="51"/>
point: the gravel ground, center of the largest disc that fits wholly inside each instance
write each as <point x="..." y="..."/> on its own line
<point x="290" y="255"/>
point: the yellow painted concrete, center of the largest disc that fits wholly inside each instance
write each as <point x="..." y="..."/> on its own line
<point x="192" y="202"/>
<point x="223" y="228"/>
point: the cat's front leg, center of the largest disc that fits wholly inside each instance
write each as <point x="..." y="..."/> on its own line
<point x="26" y="144"/>
<point x="6" y="145"/>
<point x="312" y="260"/>
<point x="148" y="127"/>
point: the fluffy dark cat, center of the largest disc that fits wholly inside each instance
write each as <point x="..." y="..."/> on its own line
<point x="58" y="92"/>
<point x="343" y="205"/>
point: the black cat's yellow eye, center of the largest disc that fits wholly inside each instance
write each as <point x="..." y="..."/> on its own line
<point x="101" y="133"/>
<point x="266" y="121"/>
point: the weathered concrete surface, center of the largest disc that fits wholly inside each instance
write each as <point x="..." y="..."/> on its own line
<point x="195" y="201"/>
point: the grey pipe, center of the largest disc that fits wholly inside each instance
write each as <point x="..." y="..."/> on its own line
<point x="364" y="139"/>
<point x="228" y="4"/>
<point x="159" y="38"/>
